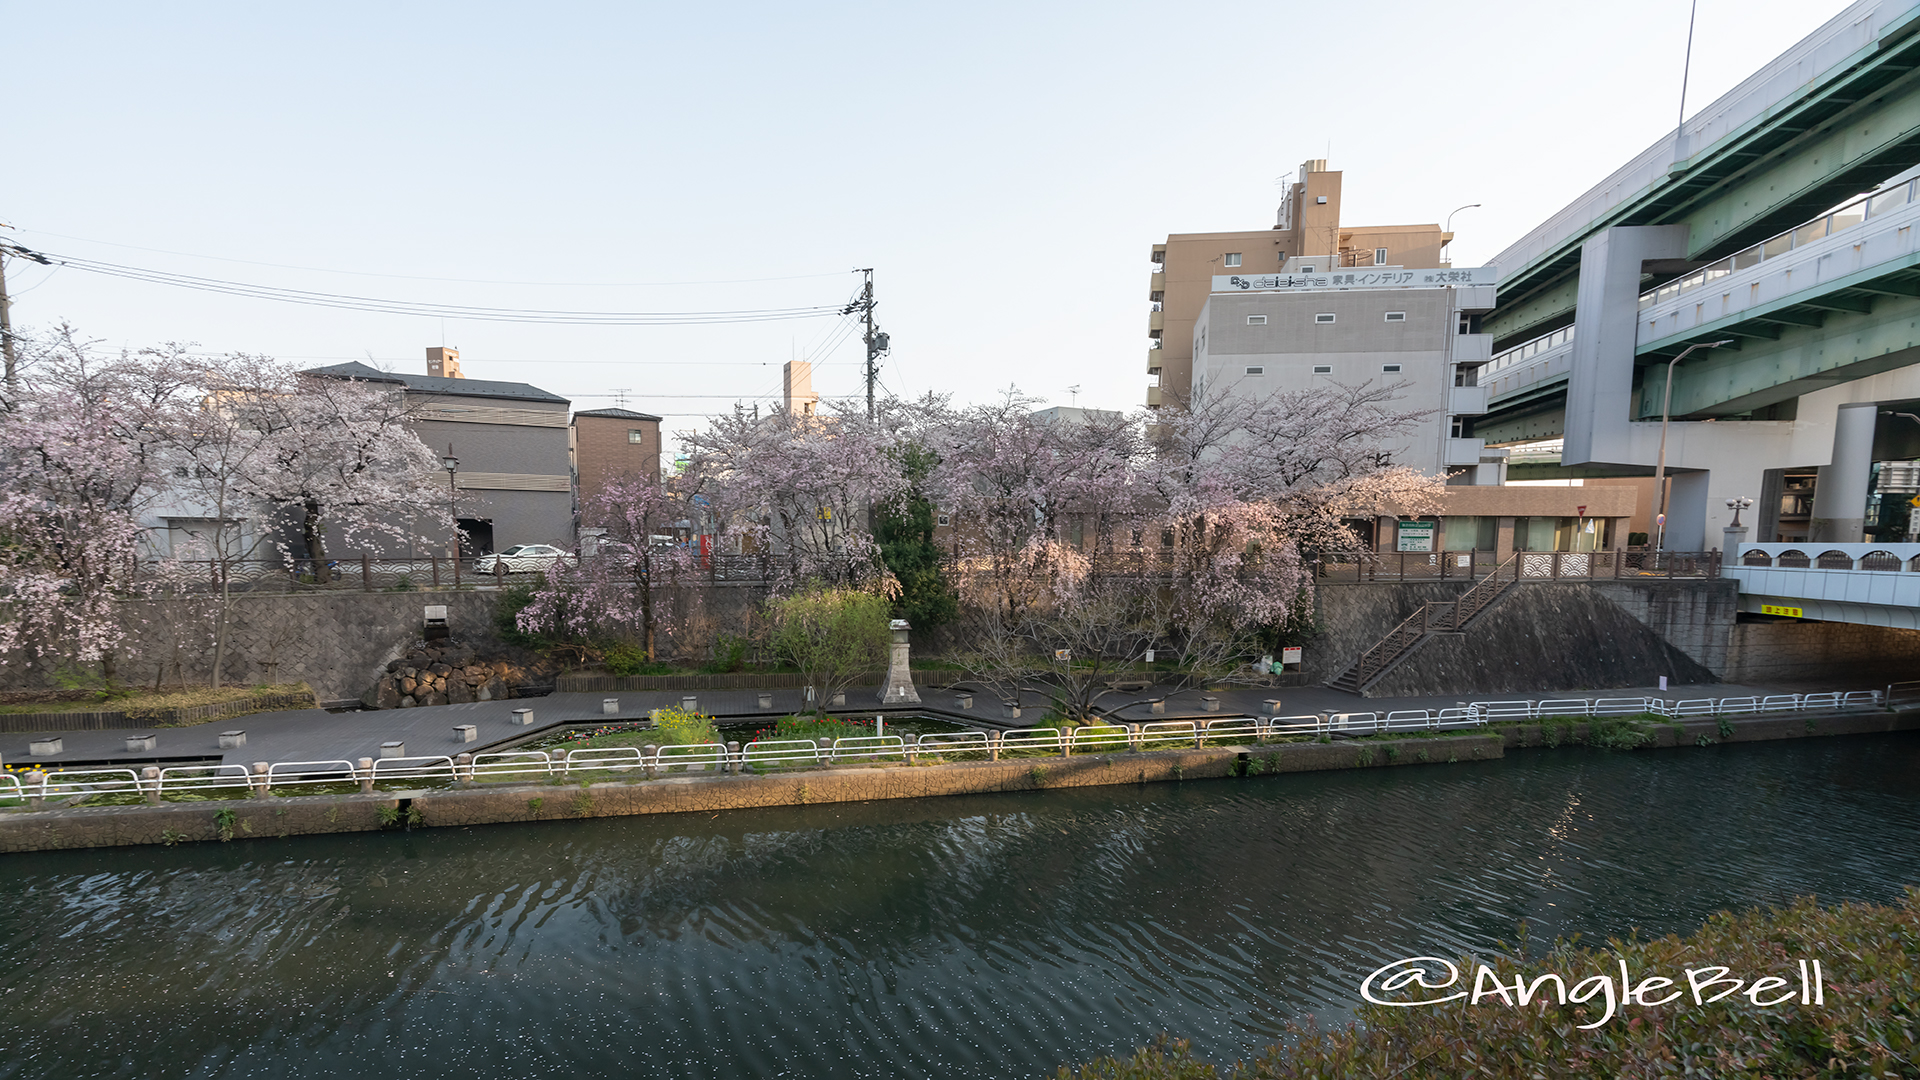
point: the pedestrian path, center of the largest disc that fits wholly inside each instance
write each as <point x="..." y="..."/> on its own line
<point x="319" y="735"/>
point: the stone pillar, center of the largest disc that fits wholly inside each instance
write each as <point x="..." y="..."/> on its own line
<point x="366" y="776"/>
<point x="1502" y="540"/>
<point x="262" y="782"/>
<point x="1840" y="492"/>
<point x="899" y="685"/>
<point x="150" y="779"/>
<point x="1731" y="539"/>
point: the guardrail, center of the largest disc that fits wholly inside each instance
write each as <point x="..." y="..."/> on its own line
<point x="154" y="783"/>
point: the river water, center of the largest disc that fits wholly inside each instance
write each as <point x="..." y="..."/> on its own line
<point x="991" y="936"/>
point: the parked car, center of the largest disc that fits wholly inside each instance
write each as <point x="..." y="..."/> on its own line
<point x="521" y="558"/>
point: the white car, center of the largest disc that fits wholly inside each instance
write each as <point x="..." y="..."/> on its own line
<point x="521" y="558"/>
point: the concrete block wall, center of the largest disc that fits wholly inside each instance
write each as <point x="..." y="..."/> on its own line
<point x="1542" y="636"/>
<point x="1794" y="651"/>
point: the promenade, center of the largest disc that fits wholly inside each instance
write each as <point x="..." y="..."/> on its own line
<point x="320" y="735"/>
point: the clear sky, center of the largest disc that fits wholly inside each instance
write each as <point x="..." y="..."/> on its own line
<point x="1005" y="167"/>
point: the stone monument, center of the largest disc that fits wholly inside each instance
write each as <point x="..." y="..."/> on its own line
<point x="898" y="689"/>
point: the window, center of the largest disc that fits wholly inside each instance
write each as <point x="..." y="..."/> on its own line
<point x="1233" y="258"/>
<point x="1379" y="256"/>
<point x="1256" y="320"/>
<point x="1306" y="269"/>
<point x="634" y="435"/>
<point x="1320" y="200"/>
<point x="1396" y="316"/>
<point x="1256" y="371"/>
<point x="1322" y="369"/>
<point x="1324" y="318"/>
<point x="1389" y="367"/>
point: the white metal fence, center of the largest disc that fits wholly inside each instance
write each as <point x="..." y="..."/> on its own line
<point x="153" y="783"/>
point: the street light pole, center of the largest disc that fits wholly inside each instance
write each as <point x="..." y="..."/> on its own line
<point x="452" y="465"/>
<point x="1666" y="416"/>
<point x="1448" y="228"/>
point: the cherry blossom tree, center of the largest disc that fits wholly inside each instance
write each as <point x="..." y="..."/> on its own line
<point x="81" y="440"/>
<point x="632" y="586"/>
<point x="799" y="488"/>
<point x="346" y="461"/>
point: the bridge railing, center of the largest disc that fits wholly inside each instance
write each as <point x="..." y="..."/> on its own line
<point x="1861" y="210"/>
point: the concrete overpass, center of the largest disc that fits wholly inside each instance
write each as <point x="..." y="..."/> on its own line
<point x="1867" y="584"/>
<point x="1780" y="218"/>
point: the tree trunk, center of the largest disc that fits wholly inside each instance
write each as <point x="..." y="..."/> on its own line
<point x="313" y="532"/>
<point x="220" y="628"/>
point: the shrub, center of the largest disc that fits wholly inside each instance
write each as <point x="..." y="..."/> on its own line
<point x="677" y="727"/>
<point x="626" y="658"/>
<point x="1866" y="1027"/>
<point x="729" y="654"/>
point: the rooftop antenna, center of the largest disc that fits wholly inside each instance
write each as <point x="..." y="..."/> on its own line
<point x="1075" y="391"/>
<point x="620" y="396"/>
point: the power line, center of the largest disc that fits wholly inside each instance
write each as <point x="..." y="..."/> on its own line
<point x="430" y="310"/>
<point x="421" y="277"/>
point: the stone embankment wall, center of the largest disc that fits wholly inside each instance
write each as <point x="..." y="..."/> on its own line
<point x="48" y="830"/>
<point x="1541" y="635"/>
<point x="1793" y="651"/>
<point x="449" y="673"/>
<point x="339" y="642"/>
<point x="1353" y="618"/>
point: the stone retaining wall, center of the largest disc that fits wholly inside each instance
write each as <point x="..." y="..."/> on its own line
<point x="48" y="830"/>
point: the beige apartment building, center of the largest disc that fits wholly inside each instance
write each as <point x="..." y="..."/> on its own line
<point x="1307" y="237"/>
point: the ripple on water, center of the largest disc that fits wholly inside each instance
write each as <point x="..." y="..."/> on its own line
<point x="979" y="936"/>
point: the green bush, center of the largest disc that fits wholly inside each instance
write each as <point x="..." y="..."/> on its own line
<point x="677" y="727"/>
<point x="625" y="658"/>
<point x="729" y="654"/>
<point x="1870" y="956"/>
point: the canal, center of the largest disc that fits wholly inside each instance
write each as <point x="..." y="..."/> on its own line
<point x="990" y="936"/>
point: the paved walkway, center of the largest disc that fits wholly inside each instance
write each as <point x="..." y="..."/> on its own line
<point x="318" y="735"/>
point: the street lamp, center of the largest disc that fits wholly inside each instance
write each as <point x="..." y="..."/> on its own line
<point x="1660" y="470"/>
<point x="452" y="465"/>
<point x="1449" y="226"/>
<point x="1737" y="504"/>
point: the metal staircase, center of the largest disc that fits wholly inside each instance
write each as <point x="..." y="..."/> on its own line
<point x="1444" y="616"/>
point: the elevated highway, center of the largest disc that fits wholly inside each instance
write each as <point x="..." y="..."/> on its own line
<point x="1777" y="222"/>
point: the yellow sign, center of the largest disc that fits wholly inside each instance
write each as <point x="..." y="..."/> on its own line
<point x="1915" y="501"/>
<point x="1778" y="609"/>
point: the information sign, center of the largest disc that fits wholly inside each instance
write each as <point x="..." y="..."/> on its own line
<point x="1414" y="536"/>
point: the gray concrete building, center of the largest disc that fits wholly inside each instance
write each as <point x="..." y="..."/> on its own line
<point x="511" y="441"/>
<point x="1259" y="335"/>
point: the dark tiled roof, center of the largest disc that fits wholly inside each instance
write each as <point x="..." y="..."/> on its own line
<point x="433" y="384"/>
<point x="618" y="414"/>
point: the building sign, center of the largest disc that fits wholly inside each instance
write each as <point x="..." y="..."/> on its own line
<point x="1357" y="278"/>
<point x="1290" y="654"/>
<point x="1414" y="536"/>
<point x="1781" y="609"/>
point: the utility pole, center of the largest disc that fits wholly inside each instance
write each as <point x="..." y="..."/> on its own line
<point x="877" y="341"/>
<point x="6" y="303"/>
<point x="6" y="326"/>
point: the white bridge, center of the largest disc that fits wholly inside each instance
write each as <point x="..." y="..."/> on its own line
<point x="1870" y="584"/>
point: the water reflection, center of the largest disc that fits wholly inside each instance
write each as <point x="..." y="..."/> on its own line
<point x="990" y="936"/>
